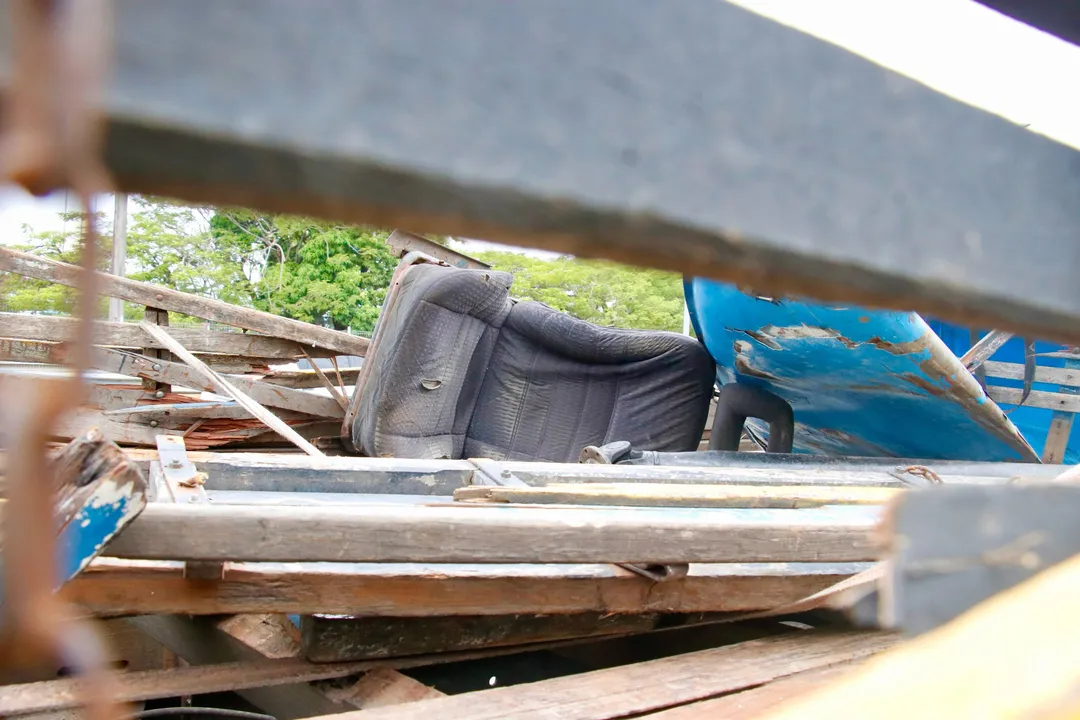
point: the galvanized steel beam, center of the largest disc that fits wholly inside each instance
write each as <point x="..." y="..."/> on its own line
<point x="691" y="135"/>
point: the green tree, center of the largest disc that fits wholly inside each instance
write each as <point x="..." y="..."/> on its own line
<point x="23" y="294"/>
<point x="315" y="271"/>
<point x="172" y="245"/>
<point x="600" y="292"/>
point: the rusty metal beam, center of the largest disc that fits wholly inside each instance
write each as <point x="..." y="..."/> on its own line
<point x="403" y="243"/>
<point x="694" y="136"/>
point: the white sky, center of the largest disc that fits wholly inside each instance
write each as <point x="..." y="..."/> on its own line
<point x="957" y="47"/>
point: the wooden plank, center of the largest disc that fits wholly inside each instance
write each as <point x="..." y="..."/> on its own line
<point x="155" y="316"/>
<point x="750" y="704"/>
<point x="209" y="434"/>
<point x="30" y="351"/>
<point x="112" y="587"/>
<point x="183" y="376"/>
<point x="275" y="636"/>
<point x="653" y="685"/>
<point x="277" y="472"/>
<point x="984" y="348"/>
<point x="155" y="296"/>
<point x="307" y="379"/>
<point x="333" y="389"/>
<point x="223" y="386"/>
<point x="464" y="533"/>
<point x="271" y="635"/>
<point x="193" y="680"/>
<point x="382" y="687"/>
<point x="97" y="492"/>
<point x="660" y="495"/>
<point x="161" y="411"/>
<point x="49" y="353"/>
<point x="201" y="641"/>
<point x="1057" y="438"/>
<point x="1037" y="398"/>
<point x="1015" y="371"/>
<point x="127" y="335"/>
<point x="542" y="474"/>
<point x="108" y="397"/>
<point x="336" y="639"/>
<point x="978" y="666"/>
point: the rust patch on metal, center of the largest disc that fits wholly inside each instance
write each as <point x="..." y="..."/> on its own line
<point x="758" y="336"/>
<point x="743" y="367"/>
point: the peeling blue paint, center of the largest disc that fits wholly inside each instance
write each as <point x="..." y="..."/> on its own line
<point x="861" y="382"/>
<point x="104" y="513"/>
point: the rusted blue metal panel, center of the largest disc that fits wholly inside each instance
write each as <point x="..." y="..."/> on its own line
<point x="861" y="382"/>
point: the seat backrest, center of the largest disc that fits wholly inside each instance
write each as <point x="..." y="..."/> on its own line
<point x="556" y="384"/>
<point x="423" y="371"/>
<point x="456" y="369"/>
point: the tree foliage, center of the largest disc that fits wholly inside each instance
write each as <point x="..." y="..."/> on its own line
<point x="23" y="294"/>
<point x="600" y="292"/>
<point x="310" y="270"/>
<point x="320" y="272"/>
<point x="173" y="245"/>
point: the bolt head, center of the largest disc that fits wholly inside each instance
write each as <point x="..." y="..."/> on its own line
<point x="157" y="366"/>
<point x="175" y="464"/>
<point x="159" y="394"/>
<point x="153" y="423"/>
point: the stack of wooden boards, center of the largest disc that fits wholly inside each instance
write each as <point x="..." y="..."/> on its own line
<point x="165" y="394"/>
<point x="306" y="586"/>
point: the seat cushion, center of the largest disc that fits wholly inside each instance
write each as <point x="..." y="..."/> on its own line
<point x="424" y="371"/>
<point x="556" y="384"/>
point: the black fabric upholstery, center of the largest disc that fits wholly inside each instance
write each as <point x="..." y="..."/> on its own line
<point x="423" y="373"/>
<point x="460" y="370"/>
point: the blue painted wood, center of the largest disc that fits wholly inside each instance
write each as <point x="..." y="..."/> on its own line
<point x="104" y="514"/>
<point x="102" y="510"/>
<point x="861" y="382"/>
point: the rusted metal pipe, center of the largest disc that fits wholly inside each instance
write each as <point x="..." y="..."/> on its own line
<point x="52" y="138"/>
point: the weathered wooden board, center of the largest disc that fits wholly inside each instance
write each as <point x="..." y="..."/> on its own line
<point x="195" y="680"/>
<point x="112" y="587"/>
<point x="225" y="387"/>
<point x="382" y="687"/>
<point x="183" y="376"/>
<point x="128" y="335"/>
<point x="743" y="473"/>
<point x="660" y="495"/>
<point x="35" y="351"/>
<point x="1015" y="371"/>
<point x="187" y="411"/>
<point x="1013" y="656"/>
<point x="208" y="434"/>
<point x="1037" y="399"/>
<point x="950" y="553"/>
<point x="337" y="639"/>
<point x="750" y="704"/>
<point x="640" y="688"/>
<point x="307" y="379"/>
<point x="173" y="300"/>
<point x="463" y="533"/>
<point x="278" y="472"/>
<point x="98" y="493"/>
